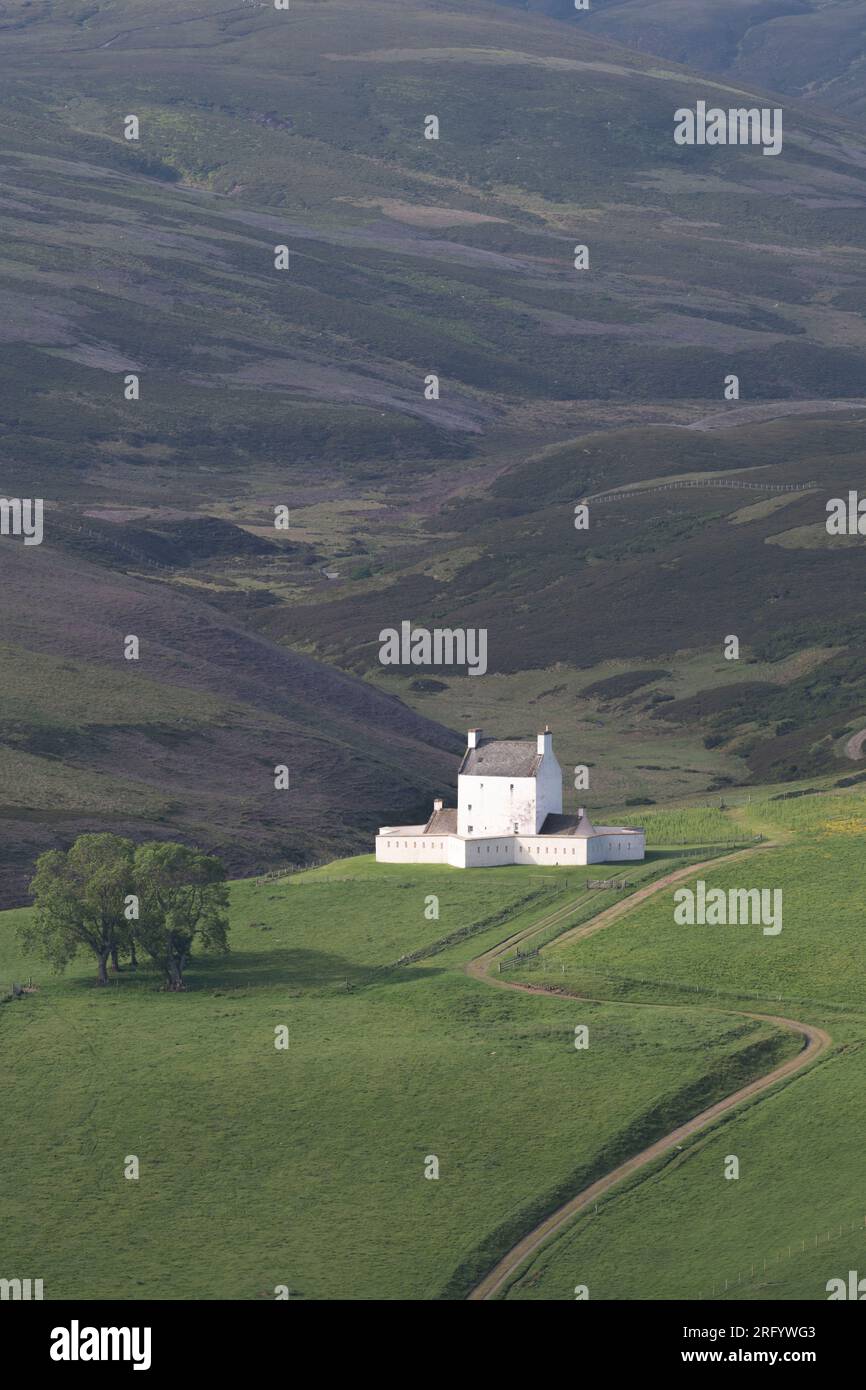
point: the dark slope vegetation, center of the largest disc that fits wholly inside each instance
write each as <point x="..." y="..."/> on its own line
<point x="306" y="387"/>
<point x="655" y="569"/>
<point x="659" y="571"/>
<point x="407" y="256"/>
<point x="185" y="740"/>
<point x="807" y="48"/>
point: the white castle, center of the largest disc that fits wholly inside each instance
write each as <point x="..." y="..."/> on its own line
<point x="509" y="811"/>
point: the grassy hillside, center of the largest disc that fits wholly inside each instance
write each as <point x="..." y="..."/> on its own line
<point x="306" y="389"/>
<point x="794" y="1218"/>
<point x="185" y="740"/>
<point x="312" y="1159"/>
<point x="808" y="48"/>
<point x="659" y="580"/>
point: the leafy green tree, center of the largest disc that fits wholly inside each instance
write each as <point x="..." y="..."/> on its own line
<point x="80" y="896"/>
<point x="183" y="898"/>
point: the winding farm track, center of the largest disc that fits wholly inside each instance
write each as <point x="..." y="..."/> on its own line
<point x="815" y="1041"/>
<point x="854" y="746"/>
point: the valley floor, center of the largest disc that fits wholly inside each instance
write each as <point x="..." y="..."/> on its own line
<point x="306" y="1166"/>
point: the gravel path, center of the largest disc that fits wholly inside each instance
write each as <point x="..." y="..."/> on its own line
<point x="815" y="1041"/>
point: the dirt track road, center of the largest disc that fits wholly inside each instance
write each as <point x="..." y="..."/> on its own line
<point x="815" y="1041"/>
<point x="854" y="746"/>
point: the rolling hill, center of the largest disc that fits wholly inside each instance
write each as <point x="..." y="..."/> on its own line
<point x="394" y="1055"/>
<point x="792" y="1219"/>
<point x="286" y="373"/>
<point x="399" y="1049"/>
<point x="185" y="740"/>
<point x="806" y="48"/>
<point x="308" y="389"/>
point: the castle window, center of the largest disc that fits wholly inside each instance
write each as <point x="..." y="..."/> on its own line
<point x="470" y="828"/>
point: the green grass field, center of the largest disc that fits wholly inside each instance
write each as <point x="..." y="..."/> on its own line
<point x="795" y="1217"/>
<point x="305" y="1167"/>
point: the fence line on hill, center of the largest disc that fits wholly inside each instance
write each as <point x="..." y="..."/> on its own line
<point x="79" y="528"/>
<point x="731" y="1284"/>
<point x="273" y="874"/>
<point x="682" y="849"/>
<point x="699" y="482"/>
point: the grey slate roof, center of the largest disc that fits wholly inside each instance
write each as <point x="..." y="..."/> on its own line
<point x="581" y="827"/>
<point x="501" y="757"/>
<point x="442" y="823"/>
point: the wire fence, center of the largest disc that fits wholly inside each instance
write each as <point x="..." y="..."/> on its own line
<point x="700" y="482"/>
<point x="273" y="874"/>
<point x="756" y="1269"/>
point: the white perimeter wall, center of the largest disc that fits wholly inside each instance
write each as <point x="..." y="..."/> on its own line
<point x="416" y="849"/>
<point x="490" y="851"/>
<point x="551" y="850"/>
<point x="611" y="849"/>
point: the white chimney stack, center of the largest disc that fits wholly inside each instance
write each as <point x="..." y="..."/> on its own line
<point x="438" y="804"/>
<point x="474" y="738"/>
<point x="545" y="742"/>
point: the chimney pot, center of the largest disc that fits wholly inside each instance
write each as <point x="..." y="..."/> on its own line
<point x="474" y="738"/>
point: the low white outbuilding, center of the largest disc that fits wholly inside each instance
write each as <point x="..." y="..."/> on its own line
<point x="509" y="811"/>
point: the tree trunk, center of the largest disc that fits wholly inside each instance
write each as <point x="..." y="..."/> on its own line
<point x="133" y="958"/>
<point x="174" y="973"/>
<point x="102" y="977"/>
<point x="115" y="963"/>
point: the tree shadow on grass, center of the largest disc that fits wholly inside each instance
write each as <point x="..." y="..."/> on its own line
<point x="302" y="968"/>
<point x="290" y="966"/>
